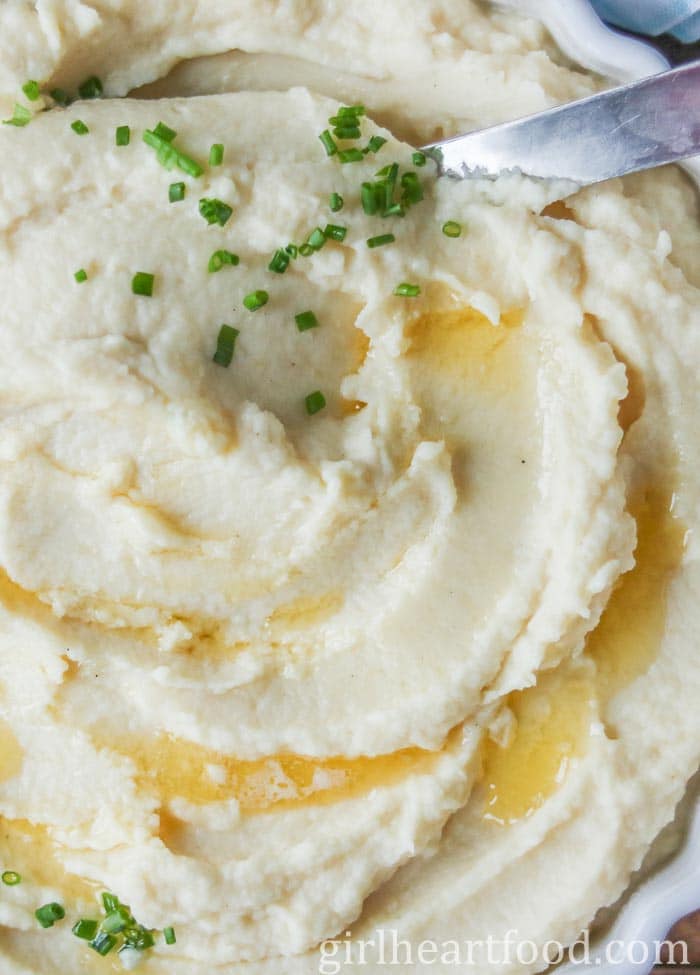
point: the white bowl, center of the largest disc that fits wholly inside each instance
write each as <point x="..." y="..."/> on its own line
<point x="671" y="892"/>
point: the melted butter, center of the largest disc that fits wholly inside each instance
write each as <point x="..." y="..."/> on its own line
<point x="171" y="768"/>
<point x="31" y="851"/>
<point x="627" y="639"/>
<point x="559" y="210"/>
<point x="11" y="753"/>
<point x="552" y="723"/>
<point x="305" y="611"/>
<point x="463" y="343"/>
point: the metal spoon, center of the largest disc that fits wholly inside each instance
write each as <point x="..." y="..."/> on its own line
<point x="623" y="130"/>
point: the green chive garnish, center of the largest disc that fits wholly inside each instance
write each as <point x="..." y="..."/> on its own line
<point x="81" y="275"/>
<point x="406" y="290"/>
<point x="412" y="189"/>
<point x="316" y="239"/>
<point x="349" y="111"/>
<point x="451" y="228"/>
<point x="255" y="300"/>
<point x="347" y="132"/>
<point x="225" y="345"/>
<point x="31" y="90"/>
<point x="116" y="921"/>
<point x="110" y="902"/>
<point x="48" y="914"/>
<point x="280" y="261"/>
<point x="91" y="88"/>
<point x="21" y="116"/>
<point x="79" y="127"/>
<point x="314" y="402"/>
<point x="61" y="97"/>
<point x="85" y="929"/>
<point x="216" y="154"/>
<point x="215" y="211"/>
<point x="306" y="320"/>
<point x="328" y="143"/>
<point x="139" y="937"/>
<point x="164" y="132"/>
<point x="167" y="154"/>
<point x="169" y="936"/>
<point x="103" y="943"/>
<point x="142" y="284"/>
<point x="381" y="240"/>
<point x="122" y="136"/>
<point x="176" y="192"/>
<point x="350" y="155"/>
<point x="11" y="878"/>
<point x="371" y="197"/>
<point x="221" y="259"/>
<point x="292" y="250"/>
<point x="375" y="144"/>
<point x="336" y="202"/>
<point x="306" y="250"/>
<point x="419" y="159"/>
<point x="332" y="231"/>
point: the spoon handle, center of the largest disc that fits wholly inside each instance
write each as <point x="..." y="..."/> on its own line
<point x="623" y="130"/>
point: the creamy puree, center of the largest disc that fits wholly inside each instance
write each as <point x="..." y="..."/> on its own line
<point x="405" y="663"/>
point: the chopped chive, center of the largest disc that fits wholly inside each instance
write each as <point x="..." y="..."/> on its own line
<point x="221" y="259"/>
<point x="347" y="132"/>
<point x="21" y="116"/>
<point x="451" y="228"/>
<point x="11" y="878"/>
<point x="110" y="902"/>
<point x="103" y="943"/>
<point x="371" y="197"/>
<point x="85" y="929"/>
<point x="333" y="231"/>
<point x="164" y="132"/>
<point x="168" y="155"/>
<point x="306" y="250"/>
<point x="306" y="320"/>
<point x="280" y="261"/>
<point x="215" y="211"/>
<point x="139" y="937"/>
<point x="216" y="154"/>
<point x="31" y="90"/>
<point x="380" y="240"/>
<point x="115" y="922"/>
<point x="350" y="155"/>
<point x="395" y="210"/>
<point x="79" y="127"/>
<point x="315" y="402"/>
<point x="176" y="192"/>
<point x="61" y="97"/>
<point x="350" y="111"/>
<point x="142" y="284"/>
<point x="336" y="202"/>
<point x="122" y="136"/>
<point x="81" y="275"/>
<point x="406" y="290"/>
<point x="316" y="239"/>
<point x="328" y="143"/>
<point x="419" y="159"/>
<point x="48" y="914"/>
<point x="375" y="144"/>
<point x="412" y="191"/>
<point x="91" y="88"/>
<point x="255" y="300"/>
<point x="169" y="936"/>
<point x="225" y="345"/>
<point x="292" y="250"/>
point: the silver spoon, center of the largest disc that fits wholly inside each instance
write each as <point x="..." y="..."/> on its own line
<point x="623" y="130"/>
